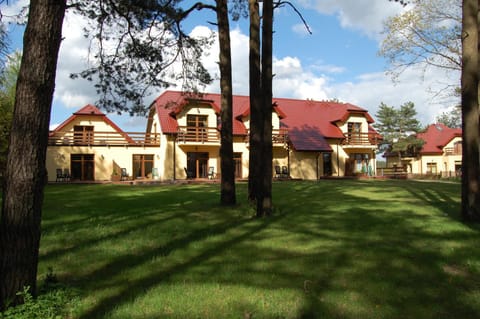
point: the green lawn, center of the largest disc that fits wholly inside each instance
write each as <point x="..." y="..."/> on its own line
<point x="333" y="249"/>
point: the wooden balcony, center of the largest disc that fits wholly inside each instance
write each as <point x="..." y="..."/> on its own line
<point x="279" y="137"/>
<point x="452" y="151"/>
<point x="360" y="139"/>
<point x="195" y="134"/>
<point x="97" y="138"/>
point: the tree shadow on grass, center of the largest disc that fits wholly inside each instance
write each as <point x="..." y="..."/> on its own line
<point x="341" y="254"/>
<point x="139" y="286"/>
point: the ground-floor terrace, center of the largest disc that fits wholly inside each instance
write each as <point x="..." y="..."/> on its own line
<point x="88" y="163"/>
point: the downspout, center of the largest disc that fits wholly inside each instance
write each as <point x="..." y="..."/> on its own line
<point x="174" y="157"/>
<point x="318" y="166"/>
<point x="338" y="162"/>
<point x="288" y="159"/>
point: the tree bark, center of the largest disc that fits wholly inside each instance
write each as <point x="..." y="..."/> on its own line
<point x="470" y="113"/>
<point x="267" y="39"/>
<point x="256" y="121"/>
<point x="227" y="196"/>
<point x="25" y="172"/>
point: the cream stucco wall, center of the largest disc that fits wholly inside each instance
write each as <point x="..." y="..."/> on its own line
<point x="355" y="119"/>
<point x="104" y="158"/>
<point x="198" y="109"/>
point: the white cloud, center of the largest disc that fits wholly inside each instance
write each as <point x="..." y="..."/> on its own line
<point x="302" y="30"/>
<point x="11" y="9"/>
<point x="73" y="58"/>
<point x="364" y="15"/>
<point x="369" y="90"/>
<point x="294" y="80"/>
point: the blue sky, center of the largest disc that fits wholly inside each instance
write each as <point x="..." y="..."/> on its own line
<point x="339" y="60"/>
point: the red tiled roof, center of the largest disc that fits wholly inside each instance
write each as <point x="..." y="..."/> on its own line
<point x="89" y="109"/>
<point x="309" y="123"/>
<point x="436" y="137"/>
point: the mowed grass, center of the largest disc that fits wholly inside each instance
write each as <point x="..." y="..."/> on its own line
<point x="333" y="249"/>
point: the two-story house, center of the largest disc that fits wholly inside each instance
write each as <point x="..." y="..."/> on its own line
<point x="311" y="139"/>
<point x="441" y="154"/>
<point x="88" y="146"/>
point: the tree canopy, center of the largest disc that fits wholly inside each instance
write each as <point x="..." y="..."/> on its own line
<point x="451" y="118"/>
<point x="8" y="80"/>
<point x="428" y="34"/>
<point x="139" y="45"/>
<point x="398" y="126"/>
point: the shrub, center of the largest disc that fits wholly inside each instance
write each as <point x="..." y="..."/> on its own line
<point x="54" y="301"/>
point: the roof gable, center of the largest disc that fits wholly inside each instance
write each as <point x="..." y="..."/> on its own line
<point x="90" y="110"/>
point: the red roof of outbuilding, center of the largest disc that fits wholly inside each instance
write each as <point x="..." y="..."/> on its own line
<point x="436" y="137"/>
<point x="309" y="123"/>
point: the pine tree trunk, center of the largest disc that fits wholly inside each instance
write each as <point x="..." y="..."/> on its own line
<point x="25" y="174"/>
<point x="470" y="113"/>
<point x="227" y="196"/>
<point x="256" y="115"/>
<point x="267" y="39"/>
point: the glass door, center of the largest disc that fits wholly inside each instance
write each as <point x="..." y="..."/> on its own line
<point x="83" y="167"/>
<point x="197" y="164"/>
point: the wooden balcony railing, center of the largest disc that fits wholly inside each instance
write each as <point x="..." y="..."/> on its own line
<point x="452" y="151"/>
<point x="279" y="136"/>
<point x="358" y="139"/>
<point x="194" y="134"/>
<point x="97" y="138"/>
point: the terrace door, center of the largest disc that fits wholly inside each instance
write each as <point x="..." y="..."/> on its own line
<point x="354" y="130"/>
<point x="142" y="165"/>
<point x="197" y="127"/>
<point x="237" y="158"/>
<point x="83" y="167"/>
<point x="82" y="135"/>
<point x="327" y="164"/>
<point x="197" y="164"/>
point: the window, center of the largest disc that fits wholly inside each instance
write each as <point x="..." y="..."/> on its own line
<point x="82" y="135"/>
<point x="431" y="168"/>
<point x="142" y="165"/>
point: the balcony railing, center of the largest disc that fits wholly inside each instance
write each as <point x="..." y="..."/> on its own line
<point x="279" y="136"/>
<point x="97" y="138"/>
<point x="360" y="139"/>
<point x="194" y="134"/>
<point x="452" y="150"/>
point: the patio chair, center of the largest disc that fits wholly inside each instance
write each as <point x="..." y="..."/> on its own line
<point x="155" y="173"/>
<point x="60" y="177"/>
<point x="278" y="172"/>
<point x="211" y="172"/>
<point x="188" y="173"/>
<point x="123" y="174"/>
<point x="66" y="175"/>
<point x="285" y="172"/>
